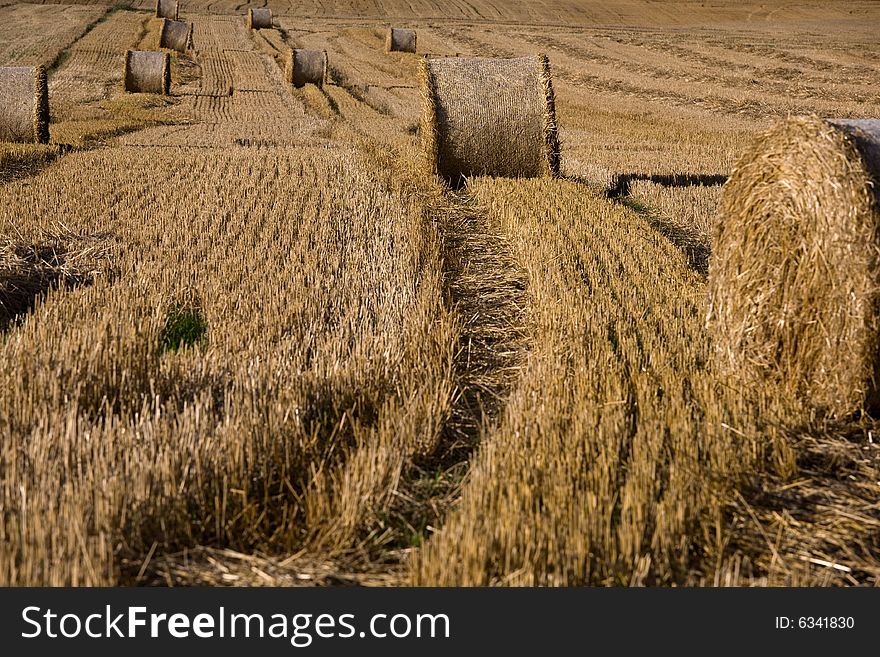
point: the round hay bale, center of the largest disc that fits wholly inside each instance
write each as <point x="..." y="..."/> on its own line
<point x="306" y="67"/>
<point x="400" y="40"/>
<point x="489" y="117"/>
<point x="794" y="280"/>
<point x="175" y="35"/>
<point x="260" y="18"/>
<point x="167" y="9"/>
<point x="147" y="72"/>
<point x="24" y="105"/>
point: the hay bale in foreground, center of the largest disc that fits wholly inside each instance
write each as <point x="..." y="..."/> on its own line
<point x="306" y="67"/>
<point x="259" y="18"/>
<point x="400" y="40"/>
<point x="167" y="9"/>
<point x="147" y="72"/>
<point x="24" y="105"/>
<point x="489" y="117"/>
<point x="175" y="35"/>
<point x="794" y="281"/>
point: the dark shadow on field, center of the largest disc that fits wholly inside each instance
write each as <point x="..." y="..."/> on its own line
<point x="620" y="184"/>
<point x="691" y="244"/>
<point x="821" y="521"/>
<point x="27" y="163"/>
<point x="29" y="270"/>
<point x="695" y="250"/>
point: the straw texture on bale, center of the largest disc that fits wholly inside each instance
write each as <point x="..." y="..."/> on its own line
<point x="794" y="281"/>
<point x="167" y="9"/>
<point x="260" y="18"/>
<point x="306" y="67"/>
<point x="24" y="105"/>
<point x="491" y="117"/>
<point x="147" y="72"/>
<point x="400" y="40"/>
<point x="175" y="35"/>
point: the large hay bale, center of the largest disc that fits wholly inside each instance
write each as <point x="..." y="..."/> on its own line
<point x="167" y="9"/>
<point x="24" y="105"/>
<point x="400" y="40"/>
<point x="259" y="18"/>
<point x="492" y="117"/>
<point x="794" y="281"/>
<point x="306" y="67"/>
<point x="175" y="35"/>
<point x="147" y="72"/>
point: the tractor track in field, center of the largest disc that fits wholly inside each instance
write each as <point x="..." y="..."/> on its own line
<point x="64" y="52"/>
<point x="486" y="289"/>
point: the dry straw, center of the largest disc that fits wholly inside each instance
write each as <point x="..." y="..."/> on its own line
<point x="24" y="105"/>
<point x="147" y="72"/>
<point x="167" y="9"/>
<point x="794" y="282"/>
<point x="492" y="117"/>
<point x="175" y="35"/>
<point x="259" y="18"/>
<point x="29" y="270"/>
<point x="306" y="67"/>
<point x="400" y="40"/>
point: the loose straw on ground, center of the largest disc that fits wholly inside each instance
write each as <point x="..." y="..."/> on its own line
<point x="400" y="40"/>
<point x="794" y="281"/>
<point x="24" y="105"/>
<point x="167" y="9"/>
<point x="259" y="18"/>
<point x="492" y="117"/>
<point x="306" y="67"/>
<point x="175" y="35"/>
<point x="147" y="72"/>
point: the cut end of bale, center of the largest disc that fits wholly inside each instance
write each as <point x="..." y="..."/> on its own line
<point x="147" y="72"/>
<point x="167" y="9"/>
<point x="259" y="18"/>
<point x="175" y="35"/>
<point x="24" y="105"/>
<point x="489" y="117"/>
<point x="794" y="281"/>
<point x="306" y="67"/>
<point x="400" y="40"/>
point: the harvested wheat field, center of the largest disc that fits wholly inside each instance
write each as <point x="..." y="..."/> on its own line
<point x="249" y="337"/>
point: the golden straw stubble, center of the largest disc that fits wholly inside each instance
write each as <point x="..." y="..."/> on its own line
<point x="794" y="281"/>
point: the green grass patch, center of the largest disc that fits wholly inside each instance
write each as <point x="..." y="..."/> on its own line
<point x="184" y="328"/>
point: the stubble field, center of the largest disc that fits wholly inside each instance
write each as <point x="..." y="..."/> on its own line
<point x="247" y="339"/>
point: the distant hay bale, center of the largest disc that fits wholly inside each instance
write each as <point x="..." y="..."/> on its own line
<point x="794" y="281"/>
<point x="175" y="35"/>
<point x="147" y="72"/>
<point x="260" y="18"/>
<point x="167" y="9"/>
<point x="24" y="105"/>
<point x="489" y="117"/>
<point x="400" y="40"/>
<point x="306" y="67"/>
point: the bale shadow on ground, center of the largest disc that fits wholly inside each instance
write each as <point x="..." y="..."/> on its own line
<point x="694" y="247"/>
<point x="620" y="184"/>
